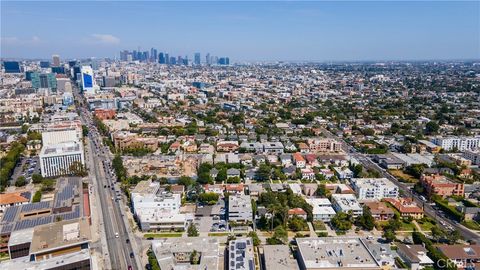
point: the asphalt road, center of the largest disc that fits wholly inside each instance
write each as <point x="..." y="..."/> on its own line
<point x="113" y="220"/>
<point x="443" y="221"/>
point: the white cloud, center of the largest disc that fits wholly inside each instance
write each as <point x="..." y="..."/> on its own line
<point x="105" y="39"/>
<point x="21" y="42"/>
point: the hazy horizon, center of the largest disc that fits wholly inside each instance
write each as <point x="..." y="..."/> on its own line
<point x="245" y="31"/>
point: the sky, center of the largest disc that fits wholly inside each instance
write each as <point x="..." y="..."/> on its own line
<point x="244" y="31"/>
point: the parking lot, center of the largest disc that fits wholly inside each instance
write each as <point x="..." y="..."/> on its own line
<point x="211" y="218"/>
<point x="26" y="167"/>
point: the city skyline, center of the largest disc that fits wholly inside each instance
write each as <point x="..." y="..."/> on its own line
<point x="266" y="31"/>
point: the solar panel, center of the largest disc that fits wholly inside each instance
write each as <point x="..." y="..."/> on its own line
<point x="29" y="223"/>
<point x="7" y="228"/>
<point x="35" y="206"/>
<point x="10" y="214"/>
<point x="63" y="195"/>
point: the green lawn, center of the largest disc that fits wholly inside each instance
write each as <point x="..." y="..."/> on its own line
<point x="162" y="235"/>
<point x="404" y="225"/>
<point x="473" y="225"/>
<point x="318" y="225"/>
<point x="218" y="234"/>
<point x="426" y="223"/>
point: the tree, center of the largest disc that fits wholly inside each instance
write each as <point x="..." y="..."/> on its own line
<point x="366" y="220"/>
<point x="78" y="169"/>
<point x="432" y="127"/>
<point x="37" y="196"/>
<point x="222" y="175"/>
<point x="203" y="173"/>
<point x="322" y="191"/>
<point x="194" y="257"/>
<point x="454" y="236"/>
<point x="281" y="234"/>
<point x="263" y="172"/>
<point x="342" y="221"/>
<point x="21" y="181"/>
<point x="437" y="233"/>
<point x="192" y="230"/>
<point x="84" y="130"/>
<point x="208" y="198"/>
<point x="297" y="224"/>
<point x="47" y="184"/>
<point x="186" y="181"/>
<point x="389" y="235"/>
<point x="255" y="239"/>
<point x="37" y="178"/>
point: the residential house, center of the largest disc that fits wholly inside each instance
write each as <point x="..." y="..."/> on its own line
<point x="299" y="161"/>
<point x="406" y="207"/>
<point x="380" y="210"/>
<point x="415" y="256"/>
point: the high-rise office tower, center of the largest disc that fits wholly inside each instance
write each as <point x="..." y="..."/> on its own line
<point x="72" y="63"/>
<point x="44" y="64"/>
<point x="55" y="60"/>
<point x="161" y="58"/>
<point x="44" y="80"/>
<point x="88" y="82"/>
<point x="167" y="59"/>
<point x="197" y="59"/>
<point x="207" y="59"/>
<point x="153" y="55"/>
<point x="11" y="66"/>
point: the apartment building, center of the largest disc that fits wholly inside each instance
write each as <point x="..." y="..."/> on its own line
<point x="240" y="208"/>
<point x="156" y="209"/>
<point x="374" y="188"/>
<point x="436" y="184"/>
<point x="241" y="254"/>
<point x="457" y="143"/>
<point x="324" y="145"/>
<point x="321" y="209"/>
<point x="473" y="156"/>
<point x="406" y="206"/>
<point x="346" y="203"/>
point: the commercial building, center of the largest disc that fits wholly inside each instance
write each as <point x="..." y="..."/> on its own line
<point x="156" y="209"/>
<point x="193" y="253"/>
<point x="80" y="260"/>
<point x="278" y="257"/>
<point x="70" y="203"/>
<point x="457" y="143"/>
<point x="374" y="188"/>
<point x="55" y="60"/>
<point x="346" y="203"/>
<point x="329" y="253"/>
<point x="241" y="255"/>
<point x="44" y="81"/>
<point x="60" y="135"/>
<point x="57" y="159"/>
<point x="88" y="81"/>
<point x="240" y="208"/>
<point x="321" y="209"/>
<point x="11" y="66"/>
